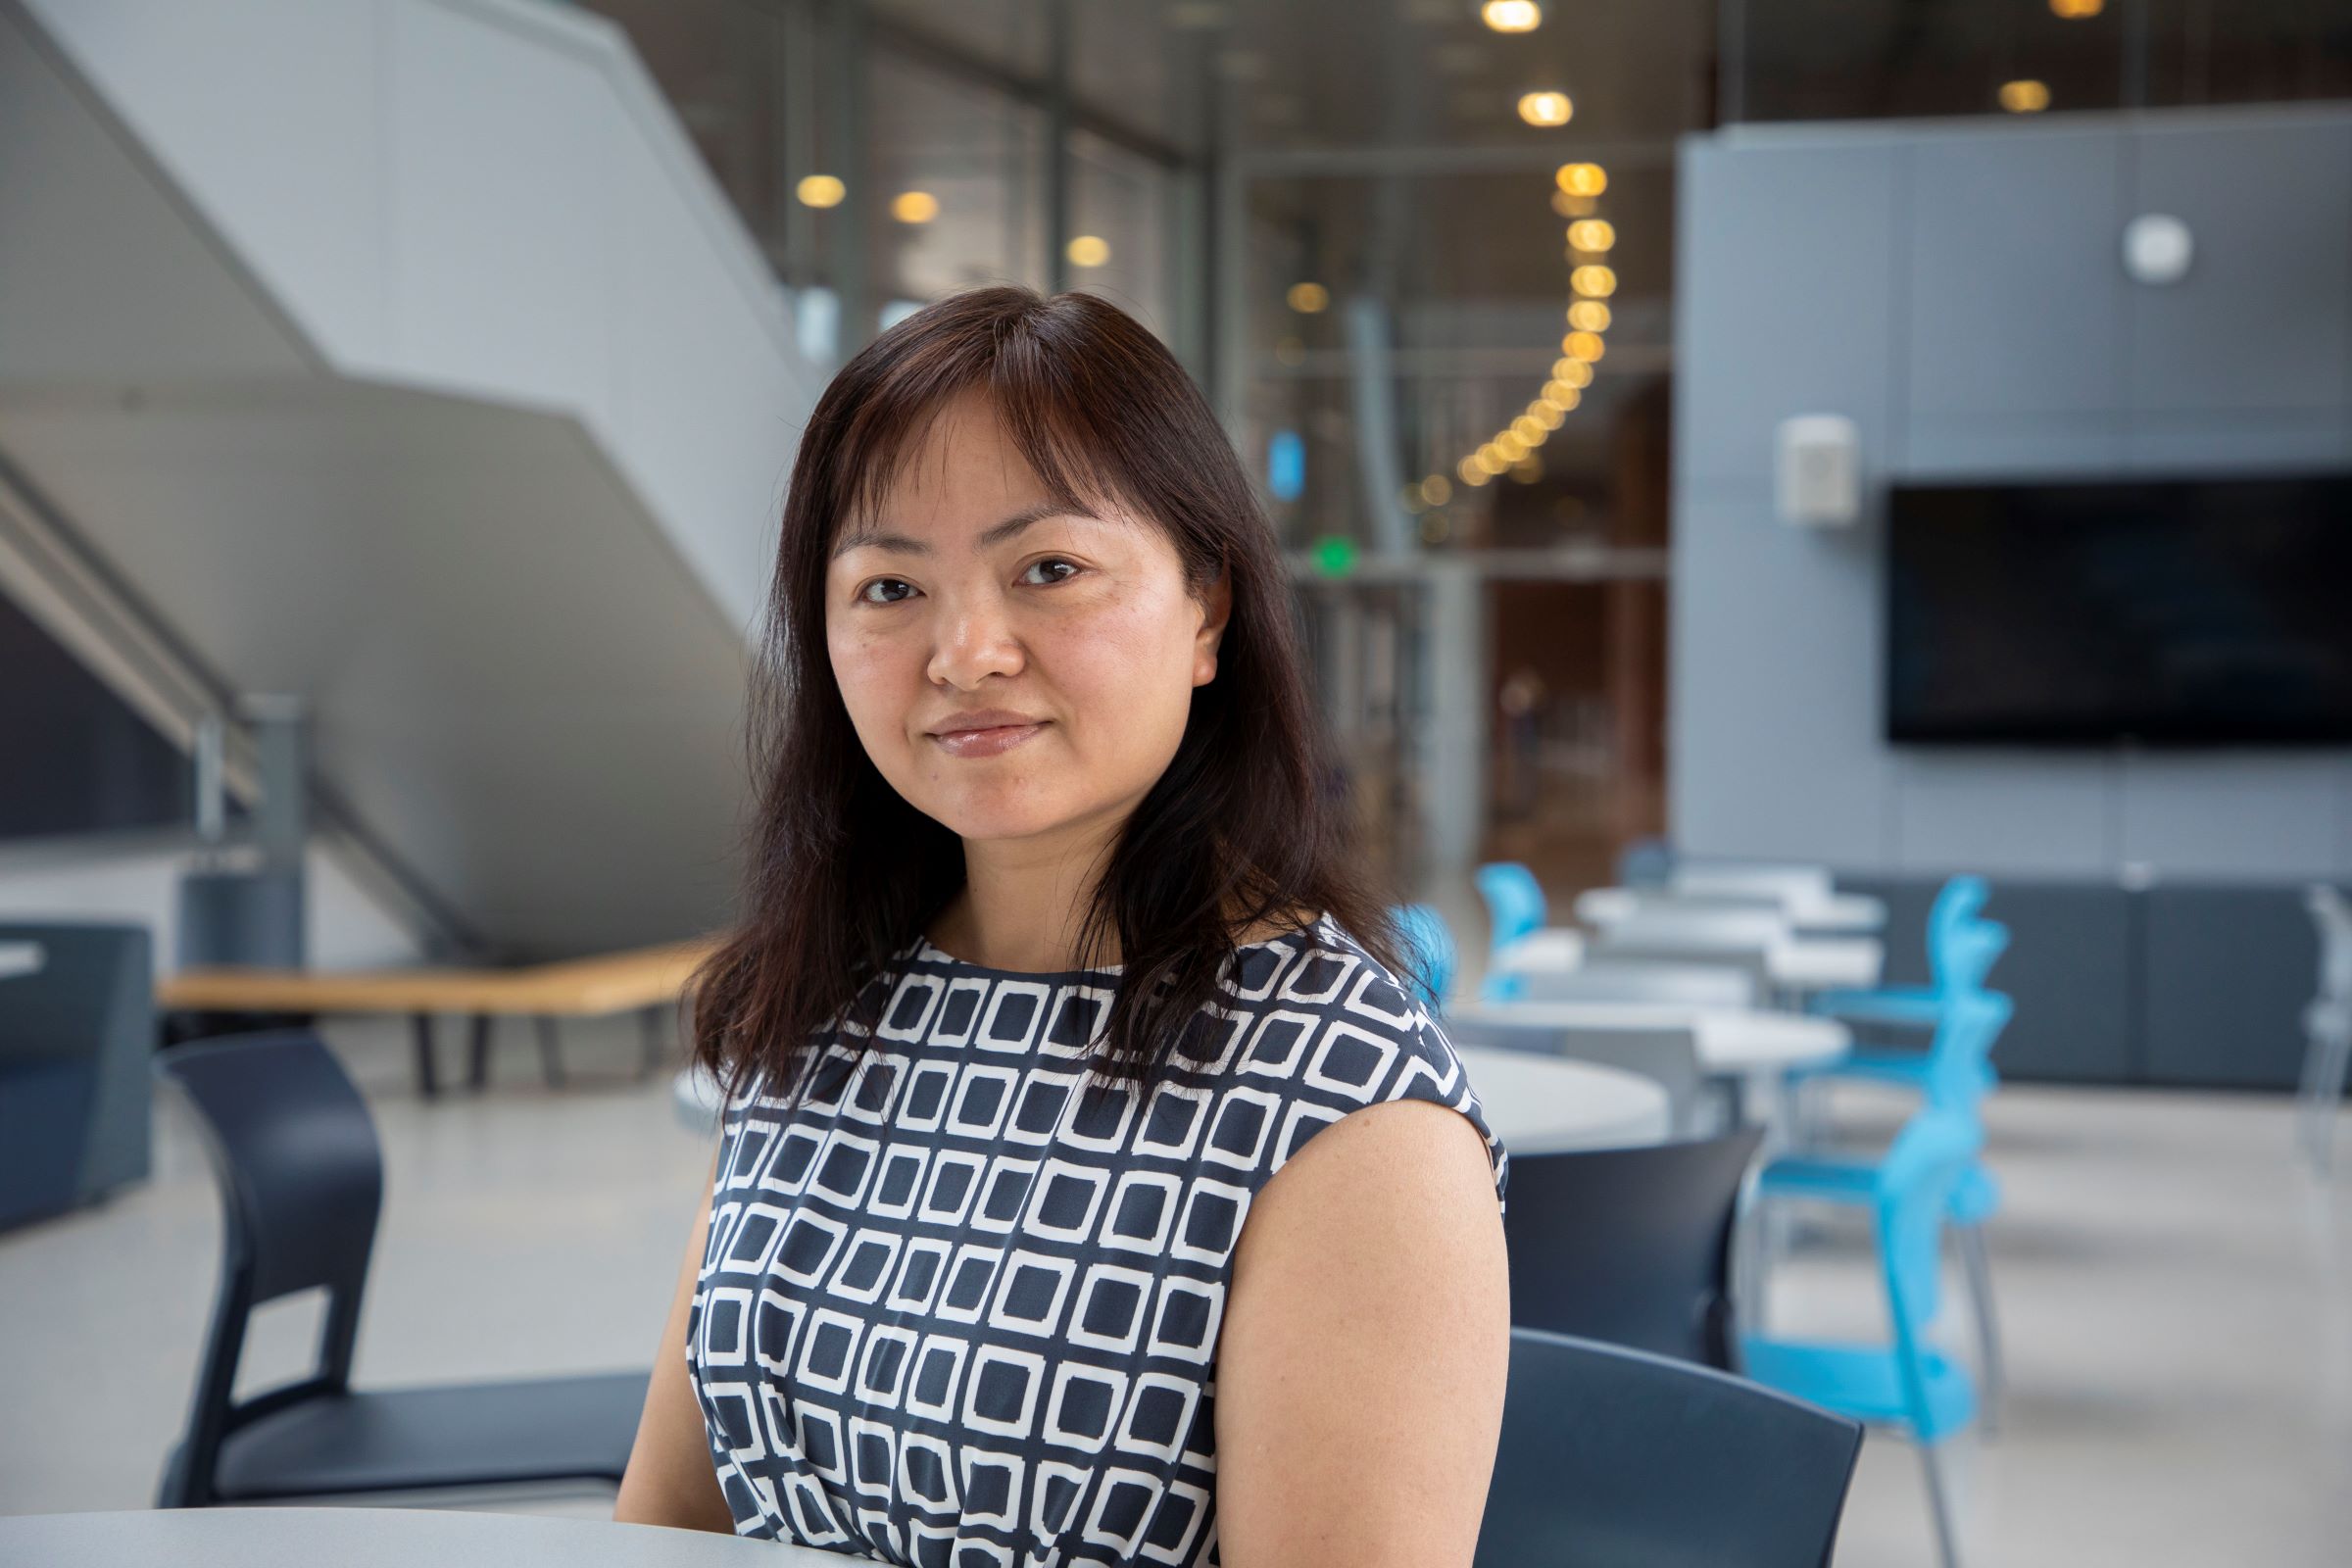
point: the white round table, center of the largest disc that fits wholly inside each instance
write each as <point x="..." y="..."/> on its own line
<point x="1826" y="964"/>
<point x="372" y="1538"/>
<point x="1540" y="1104"/>
<point x="1545" y="1105"/>
<point x="1730" y="1040"/>
<point x="1558" y="947"/>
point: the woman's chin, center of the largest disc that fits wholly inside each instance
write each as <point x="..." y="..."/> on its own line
<point x="981" y="820"/>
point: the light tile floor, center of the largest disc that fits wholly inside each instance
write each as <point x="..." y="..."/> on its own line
<point x="2177" y="1294"/>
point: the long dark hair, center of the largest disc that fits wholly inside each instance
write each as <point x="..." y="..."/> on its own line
<point x="1241" y="830"/>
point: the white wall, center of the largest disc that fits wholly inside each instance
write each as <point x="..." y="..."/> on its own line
<point x="344" y="927"/>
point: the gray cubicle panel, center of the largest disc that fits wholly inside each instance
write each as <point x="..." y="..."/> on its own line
<point x="2228" y="973"/>
<point x="2069" y="968"/>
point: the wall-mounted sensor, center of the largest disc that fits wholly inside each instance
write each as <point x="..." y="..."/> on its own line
<point x="2157" y="249"/>
<point x="1817" y="471"/>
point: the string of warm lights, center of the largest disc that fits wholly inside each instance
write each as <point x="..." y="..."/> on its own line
<point x="1513" y="448"/>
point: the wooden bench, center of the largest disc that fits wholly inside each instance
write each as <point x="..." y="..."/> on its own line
<point x="648" y="981"/>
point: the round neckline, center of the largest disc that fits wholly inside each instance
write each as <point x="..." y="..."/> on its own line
<point x="931" y="952"/>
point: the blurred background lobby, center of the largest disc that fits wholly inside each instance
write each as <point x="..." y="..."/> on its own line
<point x="1806" y="514"/>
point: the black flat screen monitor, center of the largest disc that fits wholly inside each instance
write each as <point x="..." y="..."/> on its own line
<point x="2170" y="611"/>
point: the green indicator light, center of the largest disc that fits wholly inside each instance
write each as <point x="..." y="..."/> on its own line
<point x="1334" y="555"/>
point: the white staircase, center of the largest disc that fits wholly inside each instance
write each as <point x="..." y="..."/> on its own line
<point x="401" y="355"/>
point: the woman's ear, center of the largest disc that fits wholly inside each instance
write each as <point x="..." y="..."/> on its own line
<point x="1216" y="608"/>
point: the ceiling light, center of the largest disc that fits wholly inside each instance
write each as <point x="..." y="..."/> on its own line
<point x="2075" y="10"/>
<point x="1588" y="316"/>
<point x="914" y="207"/>
<point x="1593" y="281"/>
<point x="1088" y="250"/>
<point x="2025" y="96"/>
<point x="1545" y="108"/>
<point x="1511" y="16"/>
<point x="820" y="190"/>
<point x="1308" y="298"/>
<point x="1591" y="234"/>
<point x="1586" y="346"/>
<point x="1582" y="179"/>
<point x="1561" y="396"/>
<point x="1471" y="473"/>
<point x="1435" y="491"/>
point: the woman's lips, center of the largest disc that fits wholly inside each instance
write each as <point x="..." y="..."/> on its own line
<point x="991" y="742"/>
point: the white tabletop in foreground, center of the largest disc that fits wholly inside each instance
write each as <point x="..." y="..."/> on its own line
<point x="372" y="1538"/>
<point x="1541" y="1103"/>
<point x="1728" y="1040"/>
<point x="1544" y="1105"/>
<point x="20" y="957"/>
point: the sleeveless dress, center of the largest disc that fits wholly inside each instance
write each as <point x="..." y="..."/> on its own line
<point x="952" y="1311"/>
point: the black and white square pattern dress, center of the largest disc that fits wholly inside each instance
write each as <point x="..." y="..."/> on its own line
<point x="952" y="1310"/>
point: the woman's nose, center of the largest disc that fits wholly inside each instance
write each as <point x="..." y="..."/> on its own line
<point x="976" y="640"/>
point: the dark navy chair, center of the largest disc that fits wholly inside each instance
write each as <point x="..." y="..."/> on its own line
<point x="301" y="1182"/>
<point x="1612" y="1458"/>
<point x="1632" y="1247"/>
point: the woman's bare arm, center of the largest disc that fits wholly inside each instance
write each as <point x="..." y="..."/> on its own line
<point x="671" y="1480"/>
<point x="1366" y="1340"/>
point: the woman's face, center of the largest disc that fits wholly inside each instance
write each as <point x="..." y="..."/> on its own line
<point x="1014" y="669"/>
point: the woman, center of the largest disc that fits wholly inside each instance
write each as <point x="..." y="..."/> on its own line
<point x="1017" y="1249"/>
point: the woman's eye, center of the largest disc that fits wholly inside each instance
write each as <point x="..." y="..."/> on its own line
<point x="885" y="591"/>
<point x="1057" y="570"/>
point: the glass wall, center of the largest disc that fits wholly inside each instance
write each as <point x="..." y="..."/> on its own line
<point x="886" y="154"/>
<point x="1872" y="59"/>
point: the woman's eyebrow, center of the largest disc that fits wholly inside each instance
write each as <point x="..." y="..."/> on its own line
<point x="867" y="537"/>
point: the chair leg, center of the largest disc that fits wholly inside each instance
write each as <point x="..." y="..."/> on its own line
<point x="1939" y="1505"/>
<point x="550" y="1053"/>
<point x="2324" y="1065"/>
<point x="477" y="1069"/>
<point x="1976" y="1262"/>
<point x="429" y="1081"/>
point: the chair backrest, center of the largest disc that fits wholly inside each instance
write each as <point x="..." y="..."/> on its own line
<point x="1514" y="899"/>
<point x="1970" y="1026"/>
<point x="1610" y="1456"/>
<point x="1647" y="863"/>
<point x="1696" y="985"/>
<point x="301" y="1178"/>
<point x="2332" y="915"/>
<point x="1631" y="1246"/>
<point x="1429" y="951"/>
<point x="1667" y="1057"/>
<point x="1926" y="1161"/>
<point x="1962" y="944"/>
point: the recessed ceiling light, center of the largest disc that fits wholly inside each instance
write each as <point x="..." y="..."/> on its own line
<point x="1545" y="108"/>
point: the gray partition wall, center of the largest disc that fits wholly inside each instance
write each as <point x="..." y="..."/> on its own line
<point x="1956" y="288"/>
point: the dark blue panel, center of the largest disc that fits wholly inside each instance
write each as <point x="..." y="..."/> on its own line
<point x="77" y="759"/>
<point x="2229" y="970"/>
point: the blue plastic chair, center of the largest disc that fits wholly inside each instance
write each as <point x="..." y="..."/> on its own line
<point x="1906" y="1384"/>
<point x="1961" y="945"/>
<point x="1954" y="1083"/>
<point x="1515" y="903"/>
<point x="1515" y="908"/>
<point x="1429" y="951"/>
